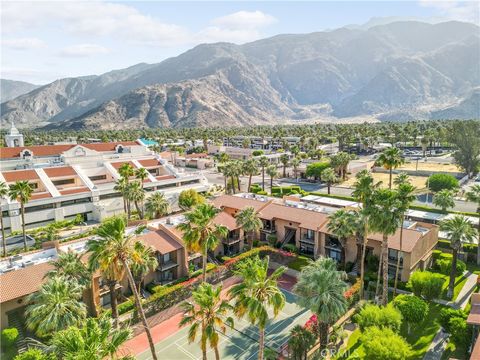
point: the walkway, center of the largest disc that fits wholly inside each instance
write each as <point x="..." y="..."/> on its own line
<point x="437" y="347"/>
<point x="464" y="295"/>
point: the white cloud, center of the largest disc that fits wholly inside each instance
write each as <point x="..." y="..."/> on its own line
<point x="244" y="19"/>
<point x="23" y="43"/>
<point x="83" y="50"/>
<point x="455" y="10"/>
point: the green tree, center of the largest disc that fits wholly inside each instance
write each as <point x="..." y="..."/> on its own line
<point x="256" y="294"/>
<point x="340" y="162"/>
<point x="385" y="218"/>
<point x="250" y="168"/>
<point x="3" y="195"/>
<point x="465" y="135"/>
<point x="284" y="159"/>
<point x="21" y="191"/>
<point x="141" y="174"/>
<point x="384" y="344"/>
<point x="263" y="162"/>
<point x="299" y="342"/>
<point x="438" y="182"/>
<point x="295" y="164"/>
<point x="390" y="159"/>
<point x="414" y="310"/>
<point x="145" y="262"/>
<point x="116" y="249"/>
<point x="121" y="186"/>
<point x="249" y="221"/>
<point x="272" y="172"/>
<point x="474" y="195"/>
<point x="207" y="314"/>
<point x="458" y="230"/>
<point x="342" y="224"/>
<point x="72" y="268"/>
<point x="330" y="178"/>
<point x="320" y="288"/>
<point x="426" y="284"/>
<point x="379" y="316"/>
<point x="189" y="198"/>
<point x="136" y="194"/>
<point x="200" y="232"/>
<point x="157" y="205"/>
<point x="315" y="170"/>
<point x="94" y="339"/>
<point x="444" y="199"/>
<point x="55" y="307"/>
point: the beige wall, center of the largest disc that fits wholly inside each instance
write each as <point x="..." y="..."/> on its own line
<point x="9" y="306"/>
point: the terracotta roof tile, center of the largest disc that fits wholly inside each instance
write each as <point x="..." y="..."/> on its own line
<point x="74" y="191"/>
<point x="226" y="220"/>
<point x="22" y="282"/>
<point x="149" y="162"/>
<point x="165" y="177"/>
<point x="196" y="155"/>
<point x="117" y="165"/>
<point x="18" y="175"/>
<point x="42" y="195"/>
<point x="306" y="219"/>
<point x="59" y="171"/>
<point x="236" y="202"/>
<point x="109" y="146"/>
<point x="160" y="241"/>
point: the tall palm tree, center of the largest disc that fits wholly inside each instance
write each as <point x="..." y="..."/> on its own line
<point x="257" y="293"/>
<point x="22" y="192"/>
<point x="249" y="221"/>
<point x="3" y="195"/>
<point x="458" y="230"/>
<point x="126" y="171"/>
<point x="272" y="172"/>
<point x="55" y="307"/>
<point x="157" y="205"/>
<point x="472" y="195"/>
<point x="299" y="342"/>
<point x="284" y="159"/>
<point x="405" y="193"/>
<point x="136" y="194"/>
<point x="263" y="162"/>
<point x="320" y="288"/>
<point x="295" y="164"/>
<point x="71" y="267"/>
<point x="117" y="250"/>
<point x="342" y="223"/>
<point x="250" y="168"/>
<point x="329" y="176"/>
<point x="95" y="339"/>
<point x="444" y="199"/>
<point x="207" y="314"/>
<point x="390" y="159"/>
<point x="145" y="262"/>
<point x="401" y="178"/>
<point x="200" y="233"/>
<point x="363" y="191"/>
<point x="385" y="217"/>
<point x="141" y="174"/>
<point x="121" y="185"/>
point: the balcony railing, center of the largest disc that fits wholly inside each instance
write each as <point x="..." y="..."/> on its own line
<point x="308" y="240"/>
<point x="231" y="240"/>
<point x="167" y="265"/>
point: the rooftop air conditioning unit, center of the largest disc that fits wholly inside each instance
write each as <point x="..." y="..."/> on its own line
<point x="169" y="221"/>
<point x="8" y="269"/>
<point x="16" y="257"/>
<point x="28" y="263"/>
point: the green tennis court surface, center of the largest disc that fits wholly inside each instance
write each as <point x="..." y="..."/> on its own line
<point x="238" y="343"/>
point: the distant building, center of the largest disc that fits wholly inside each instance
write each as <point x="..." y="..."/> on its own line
<point x="14" y="138"/>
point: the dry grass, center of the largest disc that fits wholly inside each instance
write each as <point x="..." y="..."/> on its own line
<point x="430" y="166"/>
<point x="418" y="181"/>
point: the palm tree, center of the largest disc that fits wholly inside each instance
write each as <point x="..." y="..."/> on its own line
<point x="401" y="178"/>
<point x="257" y="292"/>
<point x="342" y="223"/>
<point x="126" y="171"/>
<point x="55" y="307"/>
<point x="363" y="191"/>
<point x="71" y="267"/>
<point x="444" y="199"/>
<point x="299" y="342"/>
<point x="295" y="163"/>
<point x="3" y="195"/>
<point x="145" y="262"/>
<point x="141" y="174"/>
<point x="136" y="194"/>
<point x="250" y="168"/>
<point x="385" y="217"/>
<point x="118" y="251"/>
<point x="284" y="159"/>
<point x="458" y="230"/>
<point x="207" y="315"/>
<point x="405" y="193"/>
<point x="22" y="192"/>
<point x="249" y="221"/>
<point x="157" y="205"/>
<point x="272" y="172"/>
<point x="263" y="162"/>
<point x="200" y="233"/>
<point x="329" y="176"/>
<point x="472" y="195"/>
<point x="121" y="185"/>
<point x="95" y="339"/>
<point x="390" y="159"/>
<point x="320" y="288"/>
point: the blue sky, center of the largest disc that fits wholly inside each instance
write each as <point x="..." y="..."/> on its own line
<point x="43" y="41"/>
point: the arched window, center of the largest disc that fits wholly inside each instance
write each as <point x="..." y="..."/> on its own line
<point x="119" y="149"/>
<point x="26" y="154"/>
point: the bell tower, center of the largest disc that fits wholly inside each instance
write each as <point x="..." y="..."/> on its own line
<point x="14" y="138"/>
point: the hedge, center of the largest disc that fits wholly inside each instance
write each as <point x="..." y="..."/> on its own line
<point x="9" y="336"/>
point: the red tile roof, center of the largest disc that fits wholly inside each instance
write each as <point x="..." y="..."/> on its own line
<point x="226" y="220"/>
<point x="74" y="191"/>
<point x="149" y="162"/>
<point x="22" y="282"/>
<point x="117" y="165"/>
<point x="165" y="177"/>
<point x="20" y="175"/>
<point x="110" y="146"/>
<point x="42" y="195"/>
<point x="60" y="171"/>
<point x="196" y="155"/>
<point x="306" y="219"/>
<point x="160" y="241"/>
<point x="236" y="202"/>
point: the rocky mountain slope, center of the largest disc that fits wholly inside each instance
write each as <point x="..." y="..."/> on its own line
<point x="10" y="89"/>
<point x="396" y="71"/>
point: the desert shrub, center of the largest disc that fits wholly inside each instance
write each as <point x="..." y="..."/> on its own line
<point x="382" y="317"/>
<point x="438" y="182"/>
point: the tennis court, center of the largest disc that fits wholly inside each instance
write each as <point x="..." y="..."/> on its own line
<point x="238" y="343"/>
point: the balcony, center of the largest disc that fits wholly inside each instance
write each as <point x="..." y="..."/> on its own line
<point x="307" y="240"/>
<point x="392" y="260"/>
<point x="167" y="265"/>
<point x="103" y="289"/>
<point x="230" y="240"/>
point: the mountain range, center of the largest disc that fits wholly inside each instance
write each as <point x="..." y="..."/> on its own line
<point x="394" y="72"/>
<point x="10" y="89"/>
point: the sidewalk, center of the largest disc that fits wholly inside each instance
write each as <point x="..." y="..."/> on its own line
<point x="437" y="347"/>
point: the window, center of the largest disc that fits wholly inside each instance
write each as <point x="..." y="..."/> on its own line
<point x="63" y="182"/>
<point x="38" y="208"/>
<point x="166" y="257"/>
<point x="76" y="201"/>
<point x="110" y="196"/>
<point x="98" y="177"/>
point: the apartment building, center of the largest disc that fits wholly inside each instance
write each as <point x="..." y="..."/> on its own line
<point x="305" y="225"/>
<point x="80" y="179"/>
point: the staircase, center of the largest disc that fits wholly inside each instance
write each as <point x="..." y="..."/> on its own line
<point x="289" y="235"/>
<point x="14" y="321"/>
<point x="355" y="269"/>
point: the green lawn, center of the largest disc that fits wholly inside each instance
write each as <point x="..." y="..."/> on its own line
<point x="299" y="263"/>
<point x="459" y="283"/>
<point x="419" y="338"/>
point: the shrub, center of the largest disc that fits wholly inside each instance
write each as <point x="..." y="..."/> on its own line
<point x="460" y="331"/>
<point x="436" y="254"/>
<point x="413" y="309"/>
<point x="257" y="152"/>
<point x="291" y="248"/>
<point x="446" y="314"/>
<point x="9" y="336"/>
<point x="426" y="284"/>
<point x="315" y="169"/>
<point x="33" y="354"/>
<point x="262" y="193"/>
<point x="445" y="265"/>
<point x="438" y="182"/>
<point x="384" y="344"/>
<point x="382" y="317"/>
<point x="126" y="306"/>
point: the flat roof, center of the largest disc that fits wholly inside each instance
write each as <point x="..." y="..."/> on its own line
<point x="426" y="215"/>
<point x="329" y="201"/>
